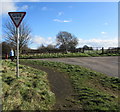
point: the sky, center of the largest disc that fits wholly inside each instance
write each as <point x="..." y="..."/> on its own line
<point x="93" y="23"/>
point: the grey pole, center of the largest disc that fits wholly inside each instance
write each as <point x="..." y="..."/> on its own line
<point x="17" y="67"/>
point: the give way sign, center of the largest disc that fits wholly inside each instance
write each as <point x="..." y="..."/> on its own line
<point x="17" y="17"/>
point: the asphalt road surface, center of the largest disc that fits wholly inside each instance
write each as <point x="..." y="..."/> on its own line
<point x="106" y="65"/>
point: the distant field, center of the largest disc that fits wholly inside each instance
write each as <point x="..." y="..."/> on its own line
<point x="30" y="91"/>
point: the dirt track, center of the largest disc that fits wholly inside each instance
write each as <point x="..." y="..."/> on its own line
<point x="106" y="65"/>
<point x="60" y="85"/>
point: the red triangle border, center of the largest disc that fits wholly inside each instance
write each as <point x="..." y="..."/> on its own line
<point x="13" y="19"/>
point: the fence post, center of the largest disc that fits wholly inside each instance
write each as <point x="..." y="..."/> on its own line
<point x="117" y="49"/>
<point x="83" y="50"/>
<point x="102" y="50"/>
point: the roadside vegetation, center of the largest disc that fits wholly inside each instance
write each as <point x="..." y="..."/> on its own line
<point x="60" y="55"/>
<point x="31" y="91"/>
<point x="93" y="90"/>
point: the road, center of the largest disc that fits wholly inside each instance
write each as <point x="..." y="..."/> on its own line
<point x="106" y="65"/>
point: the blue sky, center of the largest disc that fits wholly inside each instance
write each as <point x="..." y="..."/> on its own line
<point x="93" y="23"/>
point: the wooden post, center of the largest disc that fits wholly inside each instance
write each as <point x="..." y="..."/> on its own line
<point x="102" y="50"/>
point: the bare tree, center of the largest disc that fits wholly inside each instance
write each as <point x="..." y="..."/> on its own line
<point x="66" y="41"/>
<point x="11" y="37"/>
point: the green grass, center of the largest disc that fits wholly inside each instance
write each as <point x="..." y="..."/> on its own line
<point x="52" y="55"/>
<point x="30" y="91"/>
<point x="94" y="91"/>
<point x="60" y="55"/>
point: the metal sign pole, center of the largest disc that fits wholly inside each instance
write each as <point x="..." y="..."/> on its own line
<point x="17" y="67"/>
<point x="17" y="18"/>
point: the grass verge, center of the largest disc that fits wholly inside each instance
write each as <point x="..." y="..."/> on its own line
<point x="30" y="91"/>
<point x="60" y="55"/>
<point x="94" y="91"/>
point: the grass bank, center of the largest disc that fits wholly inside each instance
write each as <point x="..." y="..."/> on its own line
<point x="60" y="55"/>
<point x="30" y="91"/>
<point x="94" y="91"/>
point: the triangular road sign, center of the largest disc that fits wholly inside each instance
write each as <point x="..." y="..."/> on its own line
<point x="17" y="17"/>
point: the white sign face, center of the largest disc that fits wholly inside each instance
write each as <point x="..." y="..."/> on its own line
<point x="17" y="17"/>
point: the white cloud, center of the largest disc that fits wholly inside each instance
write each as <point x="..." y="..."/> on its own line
<point x="94" y="42"/>
<point x="24" y="7"/>
<point x="67" y="21"/>
<point x="103" y="33"/>
<point x="106" y="24"/>
<point x="99" y="42"/>
<point x="60" y="13"/>
<point x="62" y="21"/>
<point x="44" y="8"/>
<point x="7" y="7"/>
<point x="10" y="7"/>
<point x="38" y="40"/>
<point x="57" y="20"/>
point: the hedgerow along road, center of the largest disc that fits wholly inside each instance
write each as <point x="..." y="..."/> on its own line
<point x="108" y="65"/>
